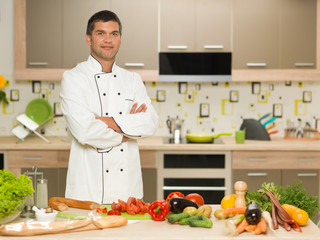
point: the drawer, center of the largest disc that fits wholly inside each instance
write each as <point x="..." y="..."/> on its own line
<point x="275" y="160"/>
<point x="255" y="177"/>
<point x="42" y="159"/>
<point x="309" y="179"/>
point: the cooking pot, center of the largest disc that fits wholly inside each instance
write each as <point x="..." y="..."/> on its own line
<point x="203" y="137"/>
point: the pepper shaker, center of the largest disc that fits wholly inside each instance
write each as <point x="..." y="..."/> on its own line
<point x="240" y="188"/>
<point x="42" y="193"/>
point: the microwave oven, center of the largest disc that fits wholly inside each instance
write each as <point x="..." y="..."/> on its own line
<point x="195" y="67"/>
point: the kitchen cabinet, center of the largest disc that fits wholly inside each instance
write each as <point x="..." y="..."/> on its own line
<point x="139" y="44"/>
<point x="282" y="168"/>
<point x="75" y="16"/>
<point x="273" y="34"/>
<point x="256" y="34"/>
<point x="202" y="25"/>
<point x="298" y="34"/>
<point x="44" y="25"/>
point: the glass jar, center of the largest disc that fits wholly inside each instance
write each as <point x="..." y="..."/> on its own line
<point x="42" y="193"/>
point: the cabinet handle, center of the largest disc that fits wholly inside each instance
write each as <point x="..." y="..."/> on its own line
<point x="178" y="47"/>
<point x="306" y="159"/>
<point x="213" y="46"/>
<point x="38" y="63"/>
<point x="257" y="159"/>
<point x="134" y="64"/>
<point x="257" y="174"/>
<point x="32" y="158"/>
<point x="304" y="64"/>
<point x="194" y="188"/>
<point x="256" y="64"/>
<point x="307" y="174"/>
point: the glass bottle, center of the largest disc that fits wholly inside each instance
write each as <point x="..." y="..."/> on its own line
<point x="42" y="193"/>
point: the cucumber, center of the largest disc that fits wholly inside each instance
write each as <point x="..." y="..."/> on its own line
<point x="203" y="222"/>
<point x="177" y="217"/>
<point x="186" y="221"/>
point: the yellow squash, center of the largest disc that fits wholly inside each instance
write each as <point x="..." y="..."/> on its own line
<point x="299" y="215"/>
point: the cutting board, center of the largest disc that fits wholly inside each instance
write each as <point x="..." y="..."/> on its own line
<point x="128" y="216"/>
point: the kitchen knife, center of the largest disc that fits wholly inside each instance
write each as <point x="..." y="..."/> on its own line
<point x="269" y="121"/>
<point x="264" y="116"/>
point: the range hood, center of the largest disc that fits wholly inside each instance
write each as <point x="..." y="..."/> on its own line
<point x="194" y="67"/>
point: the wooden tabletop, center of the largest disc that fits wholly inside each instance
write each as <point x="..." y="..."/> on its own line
<point x="153" y="230"/>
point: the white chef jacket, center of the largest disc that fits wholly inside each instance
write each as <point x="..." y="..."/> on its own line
<point x="101" y="168"/>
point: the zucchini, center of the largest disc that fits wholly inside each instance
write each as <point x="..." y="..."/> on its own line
<point x="186" y="221"/>
<point x="177" y="217"/>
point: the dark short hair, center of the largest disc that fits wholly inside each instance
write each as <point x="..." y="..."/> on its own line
<point x="102" y="16"/>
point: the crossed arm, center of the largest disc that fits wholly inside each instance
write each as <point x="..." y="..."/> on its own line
<point x="113" y="125"/>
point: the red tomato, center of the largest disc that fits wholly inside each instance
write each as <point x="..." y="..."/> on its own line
<point x="195" y="197"/>
<point x="114" y="212"/>
<point x="174" y="194"/>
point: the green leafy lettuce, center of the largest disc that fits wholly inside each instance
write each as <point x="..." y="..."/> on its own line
<point x="13" y="191"/>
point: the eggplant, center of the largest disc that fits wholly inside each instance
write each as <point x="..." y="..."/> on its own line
<point x="179" y="203"/>
<point x="253" y="213"/>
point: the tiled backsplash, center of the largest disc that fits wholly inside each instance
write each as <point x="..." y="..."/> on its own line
<point x="205" y="107"/>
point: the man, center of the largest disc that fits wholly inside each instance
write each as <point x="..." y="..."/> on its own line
<point x="106" y="109"/>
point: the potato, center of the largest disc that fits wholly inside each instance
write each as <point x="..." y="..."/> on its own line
<point x="190" y="210"/>
<point x="219" y="214"/>
<point x="205" y="211"/>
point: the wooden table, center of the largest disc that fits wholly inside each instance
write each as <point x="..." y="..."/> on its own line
<point x="152" y="230"/>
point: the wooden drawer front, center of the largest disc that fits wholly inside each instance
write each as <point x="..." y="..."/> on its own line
<point x="26" y="159"/>
<point x="309" y="179"/>
<point x="275" y="160"/>
<point x="148" y="159"/>
<point x="255" y="177"/>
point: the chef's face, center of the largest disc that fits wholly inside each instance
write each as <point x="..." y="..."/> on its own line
<point x="105" y="40"/>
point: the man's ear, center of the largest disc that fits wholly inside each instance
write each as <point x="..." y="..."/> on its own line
<point x="88" y="39"/>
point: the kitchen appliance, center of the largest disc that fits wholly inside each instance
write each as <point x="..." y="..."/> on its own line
<point x="195" y="67"/>
<point x="206" y="173"/>
<point x="3" y="160"/>
<point x="175" y="127"/>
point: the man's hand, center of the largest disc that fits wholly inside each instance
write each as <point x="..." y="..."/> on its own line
<point x="142" y="108"/>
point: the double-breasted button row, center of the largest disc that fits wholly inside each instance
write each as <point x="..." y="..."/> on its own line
<point x="121" y="170"/>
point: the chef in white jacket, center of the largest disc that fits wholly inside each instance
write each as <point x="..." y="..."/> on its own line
<point x="106" y="109"/>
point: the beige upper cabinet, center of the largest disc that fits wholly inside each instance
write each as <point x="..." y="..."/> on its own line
<point x="139" y="19"/>
<point x="213" y="25"/>
<point x="177" y="25"/>
<point x="195" y="25"/>
<point x="75" y="15"/>
<point x="44" y="33"/>
<point x="298" y="33"/>
<point x="256" y="34"/>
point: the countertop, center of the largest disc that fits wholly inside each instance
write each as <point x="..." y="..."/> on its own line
<point x="153" y="230"/>
<point x="157" y="143"/>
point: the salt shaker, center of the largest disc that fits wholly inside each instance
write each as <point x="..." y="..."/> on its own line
<point x="42" y="193"/>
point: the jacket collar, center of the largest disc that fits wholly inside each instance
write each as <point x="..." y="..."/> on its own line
<point x="97" y="65"/>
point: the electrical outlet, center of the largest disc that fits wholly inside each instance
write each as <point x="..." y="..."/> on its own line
<point x="204" y="110"/>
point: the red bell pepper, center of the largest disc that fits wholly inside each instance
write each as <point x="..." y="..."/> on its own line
<point x="174" y="194"/>
<point x="159" y="210"/>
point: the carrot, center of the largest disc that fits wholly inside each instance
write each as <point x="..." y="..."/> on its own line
<point x="242" y="226"/>
<point x="261" y="227"/>
<point x="251" y="228"/>
<point x="240" y="210"/>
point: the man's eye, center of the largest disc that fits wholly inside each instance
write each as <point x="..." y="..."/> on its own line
<point x="99" y="33"/>
<point x="115" y="34"/>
